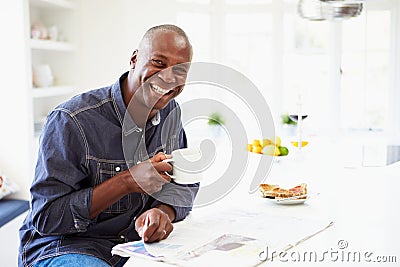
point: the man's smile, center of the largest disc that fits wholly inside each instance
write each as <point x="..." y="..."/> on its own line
<point x="159" y="90"/>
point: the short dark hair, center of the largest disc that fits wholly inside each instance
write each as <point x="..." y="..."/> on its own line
<point x="167" y="28"/>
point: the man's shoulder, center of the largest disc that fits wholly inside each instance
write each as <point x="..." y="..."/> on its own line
<point x="87" y="100"/>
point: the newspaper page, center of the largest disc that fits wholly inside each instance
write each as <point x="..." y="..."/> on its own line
<point x="236" y="237"/>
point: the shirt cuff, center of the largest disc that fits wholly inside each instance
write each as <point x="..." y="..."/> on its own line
<point x="180" y="212"/>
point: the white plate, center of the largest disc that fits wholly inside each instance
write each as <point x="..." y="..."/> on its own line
<point x="289" y="201"/>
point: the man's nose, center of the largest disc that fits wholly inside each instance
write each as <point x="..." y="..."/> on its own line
<point x="167" y="75"/>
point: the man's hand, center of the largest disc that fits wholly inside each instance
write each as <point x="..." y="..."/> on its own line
<point x="153" y="225"/>
<point x="149" y="176"/>
<point x="146" y="177"/>
<point x="160" y="157"/>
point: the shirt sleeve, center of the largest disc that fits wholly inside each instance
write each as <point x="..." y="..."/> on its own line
<point x="60" y="203"/>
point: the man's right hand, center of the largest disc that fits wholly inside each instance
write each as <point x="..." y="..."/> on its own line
<point x="146" y="177"/>
<point x="149" y="177"/>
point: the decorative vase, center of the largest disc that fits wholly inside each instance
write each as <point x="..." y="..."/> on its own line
<point x="42" y="76"/>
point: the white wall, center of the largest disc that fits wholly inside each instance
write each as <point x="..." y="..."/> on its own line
<point x="394" y="102"/>
<point x="110" y="32"/>
<point x="15" y="108"/>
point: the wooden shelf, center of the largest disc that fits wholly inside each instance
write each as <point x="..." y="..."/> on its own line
<point x="51" y="45"/>
<point x="52" y="91"/>
<point x="53" y="4"/>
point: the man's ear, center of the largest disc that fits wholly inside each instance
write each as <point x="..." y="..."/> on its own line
<point x="133" y="59"/>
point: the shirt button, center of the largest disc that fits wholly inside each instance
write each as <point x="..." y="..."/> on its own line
<point x="117" y="169"/>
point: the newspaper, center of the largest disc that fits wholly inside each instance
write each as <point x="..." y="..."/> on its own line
<point x="236" y="237"/>
<point x="227" y="247"/>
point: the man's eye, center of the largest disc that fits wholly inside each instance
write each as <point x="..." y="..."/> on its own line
<point x="157" y="62"/>
<point x="180" y="71"/>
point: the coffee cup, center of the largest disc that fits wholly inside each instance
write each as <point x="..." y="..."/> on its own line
<point x="186" y="167"/>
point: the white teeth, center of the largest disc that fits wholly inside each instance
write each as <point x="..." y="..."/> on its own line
<point x="159" y="90"/>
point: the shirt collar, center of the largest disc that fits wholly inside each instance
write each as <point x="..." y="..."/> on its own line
<point x="116" y="96"/>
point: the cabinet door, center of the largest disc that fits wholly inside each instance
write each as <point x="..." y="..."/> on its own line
<point x="9" y="241"/>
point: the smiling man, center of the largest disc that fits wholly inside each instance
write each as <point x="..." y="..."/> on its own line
<point x="91" y="191"/>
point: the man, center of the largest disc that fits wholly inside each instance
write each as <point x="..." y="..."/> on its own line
<point x="93" y="188"/>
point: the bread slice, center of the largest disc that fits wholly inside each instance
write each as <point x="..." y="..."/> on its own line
<point x="297" y="191"/>
<point x="268" y="190"/>
<point x="300" y="189"/>
<point x="274" y="191"/>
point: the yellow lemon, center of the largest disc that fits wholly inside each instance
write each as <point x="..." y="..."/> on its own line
<point x="265" y="142"/>
<point x="271" y="150"/>
<point x="277" y="151"/>
<point x="256" y="149"/>
<point x="296" y="144"/>
<point x="256" y="142"/>
<point x="278" y="141"/>
<point x="249" y="147"/>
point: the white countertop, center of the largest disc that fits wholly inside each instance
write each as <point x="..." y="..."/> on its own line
<point x="362" y="202"/>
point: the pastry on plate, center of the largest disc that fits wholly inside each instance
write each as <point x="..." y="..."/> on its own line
<point x="275" y="192"/>
<point x="268" y="190"/>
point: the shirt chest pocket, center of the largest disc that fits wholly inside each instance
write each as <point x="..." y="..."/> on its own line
<point x="104" y="172"/>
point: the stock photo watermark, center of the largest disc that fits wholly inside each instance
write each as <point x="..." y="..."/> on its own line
<point x="341" y="253"/>
<point x="232" y="85"/>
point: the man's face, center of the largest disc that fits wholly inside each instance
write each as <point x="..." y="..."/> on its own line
<point x="161" y="67"/>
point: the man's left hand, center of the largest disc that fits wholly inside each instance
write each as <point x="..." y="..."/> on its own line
<point x="160" y="156"/>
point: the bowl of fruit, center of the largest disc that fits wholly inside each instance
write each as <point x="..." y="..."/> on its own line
<point x="269" y="147"/>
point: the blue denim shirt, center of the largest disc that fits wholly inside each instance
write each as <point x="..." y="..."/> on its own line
<point x="80" y="147"/>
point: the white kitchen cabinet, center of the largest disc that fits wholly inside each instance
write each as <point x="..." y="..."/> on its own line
<point x="9" y="241"/>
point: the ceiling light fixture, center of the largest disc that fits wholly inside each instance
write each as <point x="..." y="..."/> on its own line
<point x="329" y="9"/>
